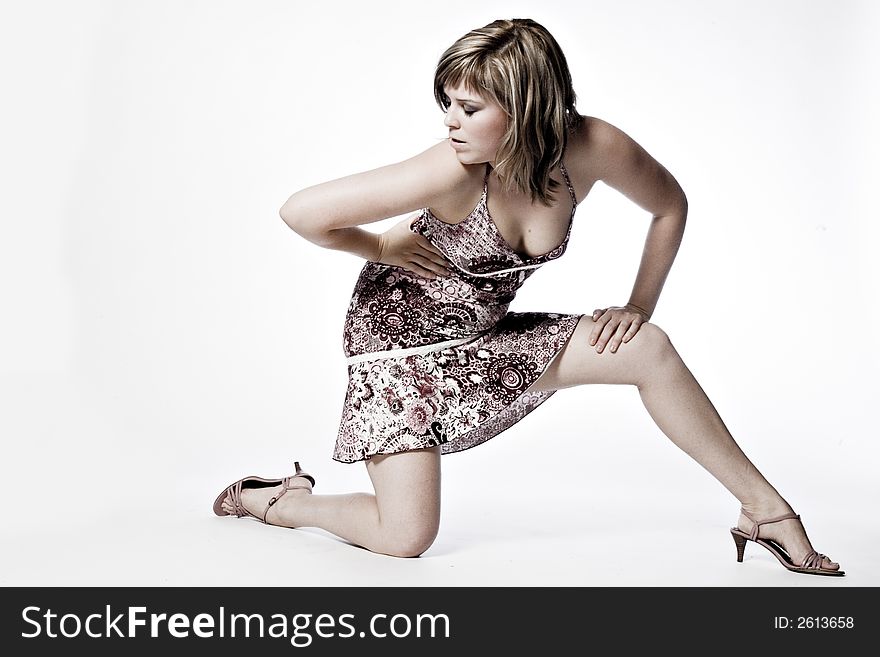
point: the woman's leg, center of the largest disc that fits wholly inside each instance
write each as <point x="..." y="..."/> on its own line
<point x="684" y="413"/>
<point x="401" y="519"/>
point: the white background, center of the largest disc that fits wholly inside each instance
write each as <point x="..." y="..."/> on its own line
<point x="165" y="333"/>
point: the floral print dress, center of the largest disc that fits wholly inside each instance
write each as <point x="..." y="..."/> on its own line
<point x="442" y="361"/>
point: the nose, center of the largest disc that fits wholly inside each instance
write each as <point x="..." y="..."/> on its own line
<point x="450" y="121"/>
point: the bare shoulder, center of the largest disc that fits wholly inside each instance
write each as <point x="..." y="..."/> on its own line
<point x="600" y="150"/>
<point x="443" y="174"/>
<point x="592" y="146"/>
<point x="439" y="181"/>
<point x="455" y="188"/>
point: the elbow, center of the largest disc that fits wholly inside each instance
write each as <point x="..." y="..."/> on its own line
<point x="299" y="219"/>
<point x="290" y="214"/>
<point x="678" y="207"/>
<point x="295" y="215"/>
<point x="683" y="205"/>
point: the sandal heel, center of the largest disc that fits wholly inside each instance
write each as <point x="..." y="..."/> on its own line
<point x="301" y="473"/>
<point x="740" y="546"/>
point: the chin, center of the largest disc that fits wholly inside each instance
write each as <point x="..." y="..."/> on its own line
<point x="471" y="158"/>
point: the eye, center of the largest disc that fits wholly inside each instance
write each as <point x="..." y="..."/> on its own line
<point x="468" y="112"/>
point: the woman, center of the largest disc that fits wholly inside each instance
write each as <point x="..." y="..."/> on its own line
<point x="436" y="362"/>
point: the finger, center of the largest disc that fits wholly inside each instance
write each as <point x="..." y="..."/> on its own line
<point x="425" y="243"/>
<point x="426" y="263"/>
<point x="597" y="327"/>
<point x="633" y="329"/>
<point x="618" y="336"/>
<point x="436" y="259"/>
<point x="606" y="335"/>
<point x="421" y="271"/>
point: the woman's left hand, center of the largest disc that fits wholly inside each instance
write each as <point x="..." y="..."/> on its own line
<point x="616" y="324"/>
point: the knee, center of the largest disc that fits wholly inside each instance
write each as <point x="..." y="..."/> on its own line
<point x="653" y="342"/>
<point x="411" y="542"/>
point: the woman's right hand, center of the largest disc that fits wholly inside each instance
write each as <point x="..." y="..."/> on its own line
<point x="401" y="247"/>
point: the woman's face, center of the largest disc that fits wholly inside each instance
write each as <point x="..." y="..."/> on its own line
<point x="476" y="125"/>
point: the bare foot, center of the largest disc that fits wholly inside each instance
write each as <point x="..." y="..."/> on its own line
<point x="789" y="533"/>
<point x="256" y="499"/>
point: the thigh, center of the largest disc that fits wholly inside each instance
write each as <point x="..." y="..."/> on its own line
<point x="579" y="363"/>
<point x="407" y="486"/>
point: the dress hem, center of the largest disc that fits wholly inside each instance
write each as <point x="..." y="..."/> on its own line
<point x="543" y="395"/>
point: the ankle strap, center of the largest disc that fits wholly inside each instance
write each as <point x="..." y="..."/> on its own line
<point x="285" y="486"/>
<point x="791" y="515"/>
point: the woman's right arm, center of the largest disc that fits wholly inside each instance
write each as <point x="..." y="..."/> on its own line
<point x="328" y="214"/>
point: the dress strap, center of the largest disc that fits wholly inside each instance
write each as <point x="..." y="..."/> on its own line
<point x="574" y="200"/>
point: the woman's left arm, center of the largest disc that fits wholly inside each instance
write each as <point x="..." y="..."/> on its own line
<point x="621" y="163"/>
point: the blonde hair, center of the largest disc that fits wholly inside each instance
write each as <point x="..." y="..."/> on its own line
<point x="520" y="66"/>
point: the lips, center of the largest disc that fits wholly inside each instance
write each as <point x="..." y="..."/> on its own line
<point x="457" y="141"/>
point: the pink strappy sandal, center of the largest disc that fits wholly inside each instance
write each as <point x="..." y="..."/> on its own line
<point x="234" y="492"/>
<point x="812" y="563"/>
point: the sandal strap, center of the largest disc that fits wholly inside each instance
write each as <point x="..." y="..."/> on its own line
<point x="285" y="486"/>
<point x="813" y="561"/>
<point x="234" y="492"/>
<point x="756" y="523"/>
